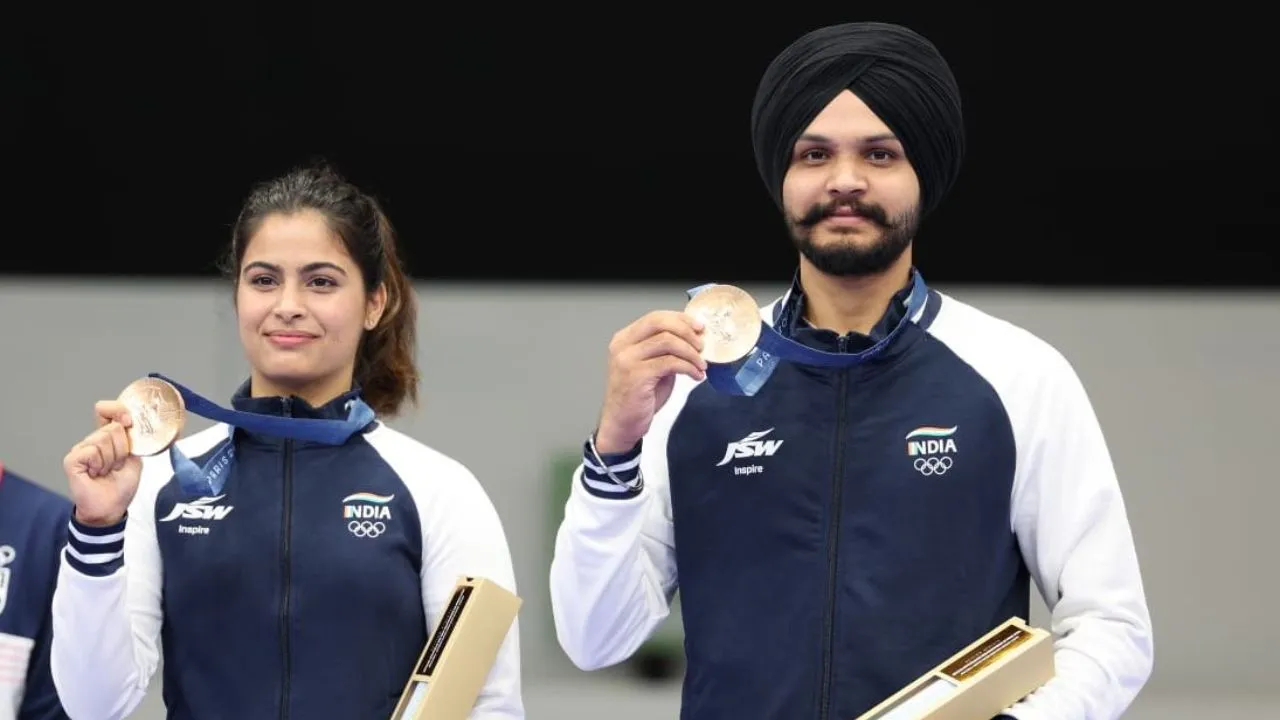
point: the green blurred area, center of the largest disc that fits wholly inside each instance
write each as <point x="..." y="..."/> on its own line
<point x="664" y="652"/>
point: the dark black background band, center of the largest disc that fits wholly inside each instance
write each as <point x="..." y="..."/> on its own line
<point x="1132" y="152"/>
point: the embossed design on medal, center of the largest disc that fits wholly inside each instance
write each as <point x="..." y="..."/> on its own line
<point x="158" y="414"/>
<point x="731" y="319"/>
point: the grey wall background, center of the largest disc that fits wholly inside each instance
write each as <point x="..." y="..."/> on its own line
<point x="1185" y="385"/>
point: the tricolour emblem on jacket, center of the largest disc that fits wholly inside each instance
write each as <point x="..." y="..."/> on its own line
<point x="367" y="513"/>
<point x="932" y="449"/>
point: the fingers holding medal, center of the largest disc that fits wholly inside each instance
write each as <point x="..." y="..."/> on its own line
<point x="104" y="469"/>
<point x="645" y="358"/>
<point x="720" y="324"/>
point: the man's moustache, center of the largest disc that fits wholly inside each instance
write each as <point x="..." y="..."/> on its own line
<point x="818" y="213"/>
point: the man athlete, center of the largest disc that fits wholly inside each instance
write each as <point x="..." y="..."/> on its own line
<point x="858" y="519"/>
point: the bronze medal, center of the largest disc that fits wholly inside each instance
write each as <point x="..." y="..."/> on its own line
<point x="731" y="320"/>
<point x="158" y="414"/>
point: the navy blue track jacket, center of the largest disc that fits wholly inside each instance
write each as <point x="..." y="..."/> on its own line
<point x="32" y="532"/>
<point x="306" y="589"/>
<point x="846" y="530"/>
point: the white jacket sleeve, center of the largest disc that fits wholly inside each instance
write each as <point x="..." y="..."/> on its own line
<point x="1070" y="520"/>
<point x="613" y="574"/>
<point x="463" y="536"/>
<point x="106" y="610"/>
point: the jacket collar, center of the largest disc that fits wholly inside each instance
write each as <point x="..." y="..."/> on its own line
<point x="831" y="341"/>
<point x="293" y="406"/>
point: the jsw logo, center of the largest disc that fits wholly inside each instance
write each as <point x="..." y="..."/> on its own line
<point x="201" y="509"/>
<point x="751" y="446"/>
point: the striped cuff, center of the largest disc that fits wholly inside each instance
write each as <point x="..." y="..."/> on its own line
<point x="95" y="551"/>
<point x="626" y="480"/>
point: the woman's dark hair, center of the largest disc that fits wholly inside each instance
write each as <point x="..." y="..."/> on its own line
<point x="385" y="365"/>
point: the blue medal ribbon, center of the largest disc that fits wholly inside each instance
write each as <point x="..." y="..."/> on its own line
<point x="746" y="376"/>
<point x="209" y="479"/>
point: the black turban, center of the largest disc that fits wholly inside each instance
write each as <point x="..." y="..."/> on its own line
<point x="900" y="75"/>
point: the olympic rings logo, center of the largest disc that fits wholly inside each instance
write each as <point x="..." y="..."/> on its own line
<point x="366" y="528"/>
<point x="933" y="465"/>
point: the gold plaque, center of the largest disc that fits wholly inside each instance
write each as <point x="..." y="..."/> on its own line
<point x="1007" y="637"/>
<point x="979" y="682"/>
<point x="459" y="653"/>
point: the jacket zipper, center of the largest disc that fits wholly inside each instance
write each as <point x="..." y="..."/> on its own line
<point x="833" y="544"/>
<point x="286" y="533"/>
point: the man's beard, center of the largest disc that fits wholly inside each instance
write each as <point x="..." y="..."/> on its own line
<point x="849" y="258"/>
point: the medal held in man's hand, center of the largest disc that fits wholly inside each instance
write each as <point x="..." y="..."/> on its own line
<point x="158" y="414"/>
<point x="731" y="322"/>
